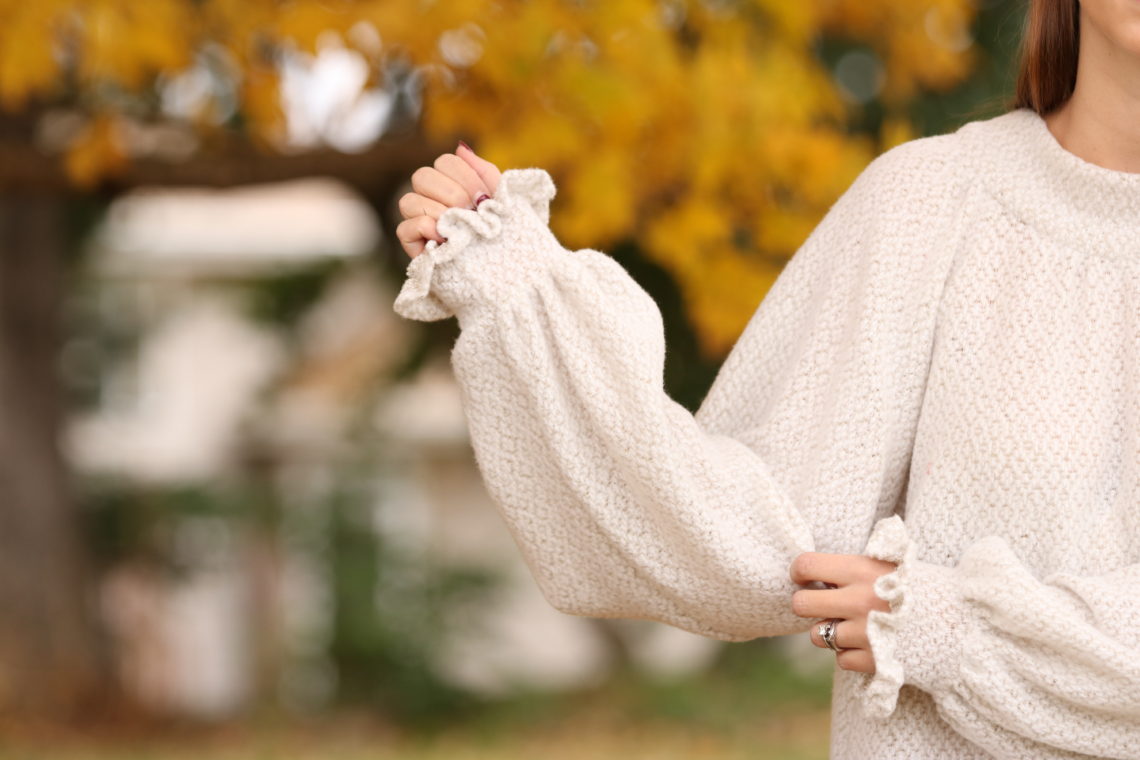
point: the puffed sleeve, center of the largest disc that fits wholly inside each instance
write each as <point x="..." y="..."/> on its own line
<point x="623" y="503"/>
<point x="1022" y="666"/>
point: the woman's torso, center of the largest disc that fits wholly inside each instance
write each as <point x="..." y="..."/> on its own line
<point x="1030" y="421"/>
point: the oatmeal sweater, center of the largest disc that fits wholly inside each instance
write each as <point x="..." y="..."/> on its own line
<point x="945" y="375"/>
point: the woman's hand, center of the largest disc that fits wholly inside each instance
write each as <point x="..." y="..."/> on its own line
<point x="852" y="598"/>
<point x="456" y="179"/>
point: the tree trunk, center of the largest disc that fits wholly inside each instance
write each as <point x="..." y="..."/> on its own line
<point x="49" y="654"/>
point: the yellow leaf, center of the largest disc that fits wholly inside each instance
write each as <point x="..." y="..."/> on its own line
<point x="27" y="57"/>
<point x="96" y="153"/>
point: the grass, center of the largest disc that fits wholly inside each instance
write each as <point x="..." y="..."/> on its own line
<point x="797" y="736"/>
<point x="751" y="705"/>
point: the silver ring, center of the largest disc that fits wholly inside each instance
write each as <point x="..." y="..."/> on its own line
<point x="827" y="633"/>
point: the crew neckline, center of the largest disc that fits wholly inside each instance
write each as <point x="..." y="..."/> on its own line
<point x="1080" y="164"/>
<point x="1055" y="190"/>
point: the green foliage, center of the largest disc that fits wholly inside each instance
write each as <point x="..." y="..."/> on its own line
<point x="751" y="686"/>
<point x="688" y="371"/>
<point x="281" y="298"/>
<point x="749" y="678"/>
<point x="128" y="521"/>
<point x="393" y="610"/>
<point x="997" y="32"/>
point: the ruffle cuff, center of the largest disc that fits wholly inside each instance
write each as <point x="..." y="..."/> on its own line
<point x="489" y="251"/>
<point x="919" y="641"/>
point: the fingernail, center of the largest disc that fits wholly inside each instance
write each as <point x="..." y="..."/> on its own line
<point x="465" y="145"/>
<point x="482" y="197"/>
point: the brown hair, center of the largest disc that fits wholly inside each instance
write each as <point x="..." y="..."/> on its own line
<point x="1049" y="50"/>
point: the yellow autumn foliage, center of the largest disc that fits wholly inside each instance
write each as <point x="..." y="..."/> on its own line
<point x="97" y="152"/>
<point x="706" y="130"/>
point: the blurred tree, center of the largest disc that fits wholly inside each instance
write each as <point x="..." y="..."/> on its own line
<point x="47" y="651"/>
<point x="715" y="133"/>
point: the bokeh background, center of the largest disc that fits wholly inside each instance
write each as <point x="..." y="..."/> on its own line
<point x="239" y="512"/>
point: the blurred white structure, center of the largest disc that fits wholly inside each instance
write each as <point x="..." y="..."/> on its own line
<point x="197" y="372"/>
<point x="171" y="234"/>
<point x="178" y="410"/>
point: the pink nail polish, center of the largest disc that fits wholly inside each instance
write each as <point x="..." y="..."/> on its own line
<point x="482" y="197"/>
<point x="465" y="145"/>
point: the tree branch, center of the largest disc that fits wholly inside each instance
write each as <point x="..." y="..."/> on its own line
<point x="27" y="170"/>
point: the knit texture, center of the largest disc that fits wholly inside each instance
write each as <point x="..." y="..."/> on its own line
<point x="945" y="375"/>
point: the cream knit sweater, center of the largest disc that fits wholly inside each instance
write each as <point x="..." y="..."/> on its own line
<point x="945" y="375"/>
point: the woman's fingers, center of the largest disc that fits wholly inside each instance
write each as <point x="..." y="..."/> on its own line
<point x="487" y="171"/>
<point x="453" y="181"/>
<point x="435" y="193"/>
<point x="454" y="167"/>
<point x="413" y="204"/>
<point x="848" y="635"/>
<point x="414" y="233"/>
<point x="852" y="639"/>
<point x="846" y="602"/>
<point x="860" y="660"/>
<point x="434" y="184"/>
<point x="839" y="569"/>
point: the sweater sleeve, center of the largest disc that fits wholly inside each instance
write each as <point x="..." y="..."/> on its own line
<point x="623" y="503"/>
<point x="1022" y="666"/>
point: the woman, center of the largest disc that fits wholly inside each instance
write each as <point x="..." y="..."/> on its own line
<point x="956" y="343"/>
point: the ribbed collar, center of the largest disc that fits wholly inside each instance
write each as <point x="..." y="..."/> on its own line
<point x="1054" y="190"/>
